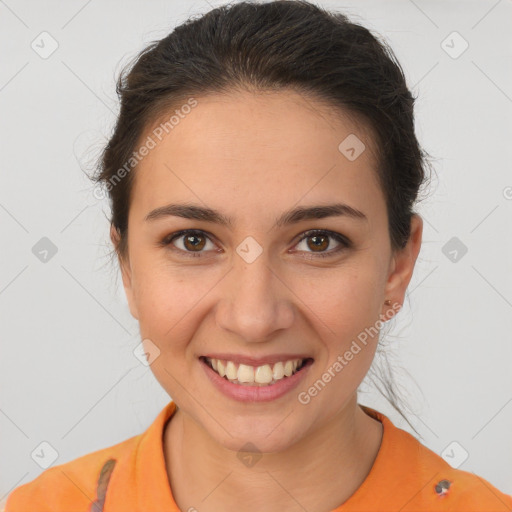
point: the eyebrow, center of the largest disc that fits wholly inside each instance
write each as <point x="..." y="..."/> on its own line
<point x="190" y="211"/>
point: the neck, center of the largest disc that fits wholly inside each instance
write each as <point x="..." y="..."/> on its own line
<point x="320" y="472"/>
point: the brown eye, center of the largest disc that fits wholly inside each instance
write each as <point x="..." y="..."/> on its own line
<point x="189" y="242"/>
<point x="193" y="242"/>
<point x="318" y="241"/>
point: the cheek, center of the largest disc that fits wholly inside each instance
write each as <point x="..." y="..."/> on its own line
<point x="170" y="303"/>
<point x="166" y="313"/>
<point x="344" y="301"/>
<point x="162" y="299"/>
<point x="346" y="308"/>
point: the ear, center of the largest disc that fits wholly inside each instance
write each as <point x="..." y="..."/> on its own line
<point x="126" y="272"/>
<point x="402" y="266"/>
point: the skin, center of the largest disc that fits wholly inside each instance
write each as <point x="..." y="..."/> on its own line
<point x="252" y="157"/>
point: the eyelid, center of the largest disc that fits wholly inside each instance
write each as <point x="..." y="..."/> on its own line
<point x="333" y="234"/>
<point x="343" y="241"/>
<point x="168" y="241"/>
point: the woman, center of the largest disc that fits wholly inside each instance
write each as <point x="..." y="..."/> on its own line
<point x="262" y="174"/>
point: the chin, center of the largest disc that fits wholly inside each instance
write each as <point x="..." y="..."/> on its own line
<point x="269" y="434"/>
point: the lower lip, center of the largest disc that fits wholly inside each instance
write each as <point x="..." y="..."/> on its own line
<point x="246" y="393"/>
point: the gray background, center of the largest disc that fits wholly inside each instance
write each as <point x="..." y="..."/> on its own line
<point x="68" y="375"/>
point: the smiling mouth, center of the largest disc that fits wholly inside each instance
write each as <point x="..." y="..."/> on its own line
<point x="264" y="375"/>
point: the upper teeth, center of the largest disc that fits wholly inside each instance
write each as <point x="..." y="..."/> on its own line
<point x="264" y="374"/>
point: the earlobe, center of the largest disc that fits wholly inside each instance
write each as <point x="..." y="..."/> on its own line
<point x="126" y="273"/>
<point x="128" y="290"/>
<point x="403" y="262"/>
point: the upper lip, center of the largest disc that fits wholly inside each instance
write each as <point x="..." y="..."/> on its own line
<point x="256" y="361"/>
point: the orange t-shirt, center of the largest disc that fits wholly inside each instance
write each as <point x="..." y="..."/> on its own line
<point x="131" y="476"/>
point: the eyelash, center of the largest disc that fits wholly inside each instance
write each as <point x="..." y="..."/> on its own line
<point x="345" y="243"/>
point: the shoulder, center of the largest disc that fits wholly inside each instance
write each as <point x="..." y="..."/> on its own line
<point x="75" y="485"/>
<point x="449" y="488"/>
<point x="415" y="478"/>
<point x="80" y="485"/>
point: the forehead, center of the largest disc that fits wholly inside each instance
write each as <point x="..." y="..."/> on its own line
<point x="265" y="148"/>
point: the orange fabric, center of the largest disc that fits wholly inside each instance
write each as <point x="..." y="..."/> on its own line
<point x="131" y="477"/>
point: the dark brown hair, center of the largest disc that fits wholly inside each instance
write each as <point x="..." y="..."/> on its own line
<point x="283" y="44"/>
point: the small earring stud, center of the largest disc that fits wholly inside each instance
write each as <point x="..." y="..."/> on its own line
<point x="387" y="302"/>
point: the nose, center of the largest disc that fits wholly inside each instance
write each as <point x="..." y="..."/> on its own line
<point x="256" y="303"/>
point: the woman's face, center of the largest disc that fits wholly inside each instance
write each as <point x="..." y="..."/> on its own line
<point x="259" y="290"/>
